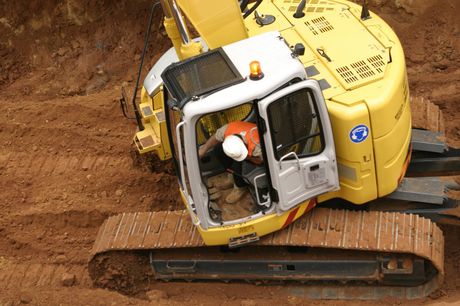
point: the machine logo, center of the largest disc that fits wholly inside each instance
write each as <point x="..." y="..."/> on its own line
<point x="359" y="133"/>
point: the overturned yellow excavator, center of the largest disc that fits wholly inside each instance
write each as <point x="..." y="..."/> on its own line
<point x="347" y="191"/>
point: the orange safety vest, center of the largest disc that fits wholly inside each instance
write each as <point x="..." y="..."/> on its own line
<point x="247" y="130"/>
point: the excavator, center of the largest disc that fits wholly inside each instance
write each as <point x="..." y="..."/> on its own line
<point x="348" y="196"/>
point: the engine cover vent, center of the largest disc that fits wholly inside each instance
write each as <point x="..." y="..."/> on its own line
<point x="363" y="70"/>
<point x="311" y="28"/>
<point x="355" y="56"/>
<point x="322" y="24"/>
<point x="318" y="25"/>
<point x="313" y="6"/>
<point x="347" y="75"/>
<point x="366" y="70"/>
<point x="377" y="62"/>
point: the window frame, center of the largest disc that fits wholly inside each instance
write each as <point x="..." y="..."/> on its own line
<point x="320" y="133"/>
<point x="181" y="98"/>
<point x="251" y="112"/>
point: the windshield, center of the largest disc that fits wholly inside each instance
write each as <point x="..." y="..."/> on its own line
<point x="199" y="75"/>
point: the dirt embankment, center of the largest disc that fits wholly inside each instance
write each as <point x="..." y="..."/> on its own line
<point x="64" y="154"/>
<point x="73" y="47"/>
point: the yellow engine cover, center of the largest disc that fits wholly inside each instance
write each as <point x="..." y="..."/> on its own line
<point x="361" y="69"/>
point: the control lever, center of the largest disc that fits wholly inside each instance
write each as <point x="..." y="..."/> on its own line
<point x="323" y="54"/>
<point x="264" y="19"/>
<point x="299" y="11"/>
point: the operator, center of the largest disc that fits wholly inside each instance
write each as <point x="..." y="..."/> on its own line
<point x="233" y="143"/>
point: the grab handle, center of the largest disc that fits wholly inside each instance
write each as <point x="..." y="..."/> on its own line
<point x="286" y="156"/>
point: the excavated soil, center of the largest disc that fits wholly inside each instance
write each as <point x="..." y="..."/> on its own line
<point x="65" y="162"/>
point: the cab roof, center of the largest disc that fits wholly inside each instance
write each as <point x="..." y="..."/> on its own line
<point x="222" y="74"/>
<point x="200" y="75"/>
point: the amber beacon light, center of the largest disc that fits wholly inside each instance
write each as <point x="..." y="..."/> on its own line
<point x="255" y="71"/>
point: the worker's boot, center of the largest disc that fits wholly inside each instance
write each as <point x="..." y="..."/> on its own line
<point x="235" y="195"/>
<point x="214" y="194"/>
<point x="224" y="183"/>
<point x="215" y="211"/>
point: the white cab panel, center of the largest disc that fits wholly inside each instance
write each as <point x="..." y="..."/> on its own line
<point x="299" y="143"/>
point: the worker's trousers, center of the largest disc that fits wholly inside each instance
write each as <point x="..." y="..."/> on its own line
<point x="231" y="165"/>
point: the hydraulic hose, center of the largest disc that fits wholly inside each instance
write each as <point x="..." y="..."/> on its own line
<point x="244" y="5"/>
<point x="144" y="51"/>
<point x="252" y="9"/>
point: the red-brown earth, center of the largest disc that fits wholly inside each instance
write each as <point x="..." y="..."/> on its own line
<point x="65" y="160"/>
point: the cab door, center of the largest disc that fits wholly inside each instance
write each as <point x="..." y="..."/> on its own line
<point x="299" y="143"/>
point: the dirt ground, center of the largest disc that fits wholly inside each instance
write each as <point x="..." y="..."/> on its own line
<point x="65" y="160"/>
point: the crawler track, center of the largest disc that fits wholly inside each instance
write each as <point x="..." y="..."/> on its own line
<point x="381" y="232"/>
<point x="426" y="115"/>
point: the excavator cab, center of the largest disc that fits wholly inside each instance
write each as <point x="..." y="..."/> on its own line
<point x="218" y="87"/>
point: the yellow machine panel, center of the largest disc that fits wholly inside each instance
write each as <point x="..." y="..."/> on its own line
<point x="362" y="85"/>
<point x="362" y="77"/>
<point x="356" y="162"/>
<point x="218" y="22"/>
<point x="154" y="137"/>
<point x="262" y="226"/>
<point x="355" y="59"/>
<point x="267" y="7"/>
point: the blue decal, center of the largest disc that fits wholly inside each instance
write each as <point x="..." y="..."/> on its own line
<point x="359" y="133"/>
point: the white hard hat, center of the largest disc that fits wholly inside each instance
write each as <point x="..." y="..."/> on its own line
<point x="235" y="148"/>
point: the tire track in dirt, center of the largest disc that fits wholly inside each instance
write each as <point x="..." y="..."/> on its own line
<point x="43" y="265"/>
<point x="20" y="134"/>
<point x="20" y="137"/>
<point x="38" y="275"/>
<point x="44" y="164"/>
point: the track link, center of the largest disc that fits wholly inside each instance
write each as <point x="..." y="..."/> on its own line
<point x="325" y="228"/>
<point x="426" y="115"/>
<point x="381" y="232"/>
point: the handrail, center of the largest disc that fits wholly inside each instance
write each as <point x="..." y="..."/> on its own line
<point x="182" y="174"/>
<point x="180" y="23"/>
<point x="181" y="160"/>
<point x="289" y="154"/>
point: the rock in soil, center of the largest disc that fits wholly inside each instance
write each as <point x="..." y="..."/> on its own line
<point x="156" y="295"/>
<point x="68" y="279"/>
<point x="248" y="303"/>
<point x="60" y="259"/>
<point x="25" y="299"/>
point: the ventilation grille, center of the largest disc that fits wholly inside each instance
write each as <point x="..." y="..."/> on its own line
<point x="312" y="9"/>
<point x="311" y="28"/>
<point x="313" y="6"/>
<point x="362" y="70"/>
<point x="347" y="74"/>
<point x="318" y="25"/>
<point x="322" y="24"/>
<point x="377" y="62"/>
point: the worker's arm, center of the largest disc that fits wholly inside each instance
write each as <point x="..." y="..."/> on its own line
<point x="210" y="143"/>
<point x="256" y="157"/>
<point x="255" y="160"/>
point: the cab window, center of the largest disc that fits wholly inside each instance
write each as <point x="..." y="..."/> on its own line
<point x="295" y="125"/>
<point x="209" y="123"/>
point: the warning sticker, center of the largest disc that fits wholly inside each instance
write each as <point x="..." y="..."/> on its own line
<point x="359" y="133"/>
